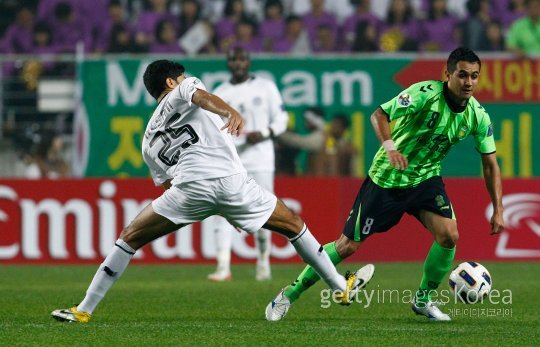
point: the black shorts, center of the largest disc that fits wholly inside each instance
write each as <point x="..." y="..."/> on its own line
<point x="377" y="209"/>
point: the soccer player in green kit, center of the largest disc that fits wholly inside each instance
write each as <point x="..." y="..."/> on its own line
<point x="430" y="117"/>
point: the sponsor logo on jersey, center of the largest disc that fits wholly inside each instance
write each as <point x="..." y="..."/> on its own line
<point x="404" y="100"/>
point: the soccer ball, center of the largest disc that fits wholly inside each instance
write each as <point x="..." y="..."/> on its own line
<point x="470" y="282"/>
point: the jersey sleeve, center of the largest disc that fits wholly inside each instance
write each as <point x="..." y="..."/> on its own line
<point x="278" y="115"/>
<point x="483" y="134"/>
<point x="406" y="103"/>
<point x="188" y="87"/>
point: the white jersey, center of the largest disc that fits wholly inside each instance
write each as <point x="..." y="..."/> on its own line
<point x="183" y="142"/>
<point x="259" y="102"/>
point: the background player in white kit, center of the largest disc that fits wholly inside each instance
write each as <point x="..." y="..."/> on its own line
<point x="190" y="152"/>
<point x="259" y="102"/>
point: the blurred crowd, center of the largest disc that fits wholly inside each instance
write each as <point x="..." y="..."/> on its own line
<point x="278" y="26"/>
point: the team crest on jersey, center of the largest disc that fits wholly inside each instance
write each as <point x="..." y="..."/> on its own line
<point x="462" y="133"/>
<point x="404" y="100"/>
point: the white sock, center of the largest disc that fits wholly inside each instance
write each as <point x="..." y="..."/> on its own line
<point x="263" y="243"/>
<point x="311" y="251"/>
<point x="108" y="272"/>
<point x="224" y="233"/>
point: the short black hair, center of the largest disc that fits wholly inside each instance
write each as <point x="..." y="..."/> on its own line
<point x="157" y="72"/>
<point x="461" y="54"/>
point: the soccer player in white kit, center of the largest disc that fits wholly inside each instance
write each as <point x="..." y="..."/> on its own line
<point x="261" y="105"/>
<point x="190" y="152"/>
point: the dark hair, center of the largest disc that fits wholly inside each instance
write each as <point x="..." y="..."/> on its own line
<point x="343" y="119"/>
<point x="270" y="3"/>
<point x="228" y="9"/>
<point x="391" y="17"/>
<point x="292" y="18"/>
<point x="157" y="72"/>
<point x="43" y="27"/>
<point x="63" y="10"/>
<point x="431" y="12"/>
<point x="461" y="54"/>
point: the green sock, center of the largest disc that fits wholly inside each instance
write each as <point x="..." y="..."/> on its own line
<point x="437" y="264"/>
<point x="309" y="277"/>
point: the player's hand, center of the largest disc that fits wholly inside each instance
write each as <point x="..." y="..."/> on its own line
<point x="235" y="123"/>
<point x="397" y="160"/>
<point x="497" y="223"/>
<point x="254" y="137"/>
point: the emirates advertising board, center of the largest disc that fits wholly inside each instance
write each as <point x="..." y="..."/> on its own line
<point x="77" y="221"/>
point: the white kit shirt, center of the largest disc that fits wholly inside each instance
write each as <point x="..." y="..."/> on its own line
<point x="183" y="142"/>
<point x="258" y="100"/>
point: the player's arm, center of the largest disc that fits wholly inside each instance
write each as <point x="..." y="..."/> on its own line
<point x="492" y="177"/>
<point x="167" y="184"/>
<point x="381" y="125"/>
<point x="215" y="104"/>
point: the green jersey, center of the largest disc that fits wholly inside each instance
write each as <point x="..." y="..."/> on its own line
<point x="427" y="125"/>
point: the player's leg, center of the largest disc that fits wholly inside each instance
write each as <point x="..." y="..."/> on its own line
<point x="175" y="208"/>
<point x="435" y="212"/>
<point x="146" y="227"/>
<point x="250" y="207"/>
<point x="263" y="237"/>
<point x="374" y="210"/>
<point x="286" y="222"/>
<point x="223" y="232"/>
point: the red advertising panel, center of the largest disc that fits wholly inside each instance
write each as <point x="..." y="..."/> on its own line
<point x="77" y="221"/>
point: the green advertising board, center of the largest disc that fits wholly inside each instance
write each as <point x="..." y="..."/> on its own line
<point x="115" y="107"/>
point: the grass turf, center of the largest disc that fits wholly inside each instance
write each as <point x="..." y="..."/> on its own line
<point x="175" y="305"/>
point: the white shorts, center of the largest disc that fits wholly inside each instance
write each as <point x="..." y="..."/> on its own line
<point x="238" y="198"/>
<point x="263" y="178"/>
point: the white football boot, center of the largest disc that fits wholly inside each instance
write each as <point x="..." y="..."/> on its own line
<point x="429" y="309"/>
<point x="278" y="308"/>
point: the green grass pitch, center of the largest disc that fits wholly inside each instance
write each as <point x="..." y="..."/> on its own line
<point x="172" y="305"/>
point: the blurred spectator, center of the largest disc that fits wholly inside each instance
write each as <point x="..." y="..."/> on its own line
<point x="313" y="141"/>
<point x="295" y="40"/>
<point x="272" y="28"/>
<point x="362" y="13"/>
<point x="245" y="37"/>
<point x="338" y="154"/>
<point x="48" y="161"/>
<point x="19" y="35"/>
<point x="121" y="40"/>
<point x="524" y="35"/>
<point x="325" y="42"/>
<point x="70" y="29"/>
<point x="190" y="13"/>
<point x="401" y="31"/>
<point x="494" y="41"/>
<point x="43" y="49"/>
<point x="473" y="29"/>
<point x="148" y="20"/>
<point x="166" y="39"/>
<point x="365" y="37"/>
<point x="116" y="15"/>
<point x="233" y="13"/>
<point x="439" y="28"/>
<point x="316" y="17"/>
<point x="509" y="11"/>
